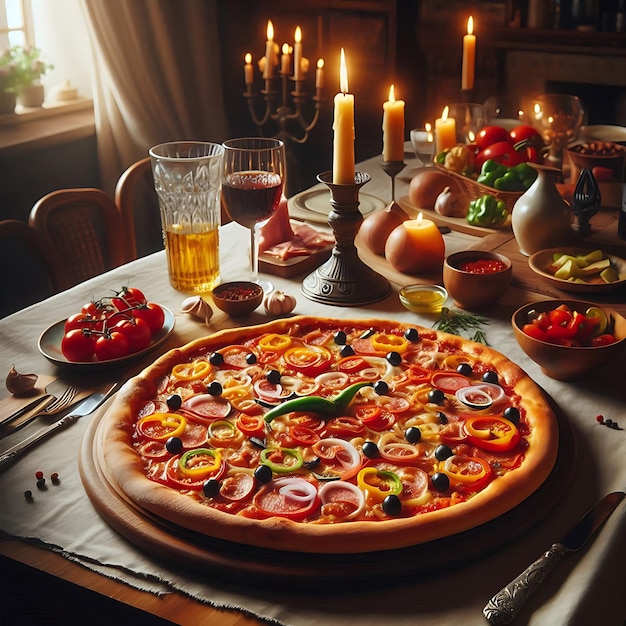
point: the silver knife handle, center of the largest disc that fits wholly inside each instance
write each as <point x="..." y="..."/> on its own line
<point x="507" y="603"/>
<point x="16" y="452"/>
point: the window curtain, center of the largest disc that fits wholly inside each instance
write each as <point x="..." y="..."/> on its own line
<point x="157" y="77"/>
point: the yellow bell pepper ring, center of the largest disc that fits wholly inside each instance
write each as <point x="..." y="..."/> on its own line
<point x="467" y="471"/>
<point x="384" y="342"/>
<point x="191" y="371"/>
<point x="161" y="426"/>
<point x="493" y="433"/>
<point x="378" y="484"/>
<point x="273" y="342"/>
<point x="200" y="463"/>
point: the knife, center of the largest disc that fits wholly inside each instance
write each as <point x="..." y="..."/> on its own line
<point x="87" y="406"/>
<point x="507" y="603"/>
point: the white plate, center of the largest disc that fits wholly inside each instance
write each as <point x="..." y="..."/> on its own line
<point x="314" y="205"/>
<point x="604" y="132"/>
<point x="50" y="345"/>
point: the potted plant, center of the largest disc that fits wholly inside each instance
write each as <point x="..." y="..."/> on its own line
<point x="9" y="81"/>
<point x="31" y="68"/>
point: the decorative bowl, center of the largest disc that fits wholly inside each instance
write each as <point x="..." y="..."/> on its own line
<point x="423" y="298"/>
<point x="568" y="362"/>
<point x="238" y="298"/>
<point x="480" y="286"/>
<point x="541" y="262"/>
<point x="599" y="154"/>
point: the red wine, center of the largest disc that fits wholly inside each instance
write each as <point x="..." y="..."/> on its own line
<point x="251" y="197"/>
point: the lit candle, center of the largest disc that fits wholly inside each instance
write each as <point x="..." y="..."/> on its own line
<point x="319" y="74"/>
<point x="247" y="69"/>
<point x="445" y="132"/>
<point x="297" y="54"/>
<point x="269" y="51"/>
<point x="429" y="130"/>
<point x="469" y="56"/>
<point x="427" y="244"/>
<point x="393" y="128"/>
<point x="343" y="127"/>
<point x="285" y="60"/>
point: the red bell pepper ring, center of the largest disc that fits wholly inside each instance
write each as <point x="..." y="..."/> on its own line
<point x="493" y="433"/>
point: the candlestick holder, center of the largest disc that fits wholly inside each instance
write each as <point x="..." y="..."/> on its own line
<point x="345" y="280"/>
<point x="392" y="169"/>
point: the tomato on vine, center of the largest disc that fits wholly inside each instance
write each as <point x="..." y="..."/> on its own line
<point x="152" y="313"/>
<point x="78" y="345"/>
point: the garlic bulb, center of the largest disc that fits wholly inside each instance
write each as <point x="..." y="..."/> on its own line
<point x="279" y="303"/>
<point x="198" y="307"/>
<point x="20" y="384"/>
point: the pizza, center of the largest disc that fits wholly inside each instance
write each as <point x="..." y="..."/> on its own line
<point x="329" y="436"/>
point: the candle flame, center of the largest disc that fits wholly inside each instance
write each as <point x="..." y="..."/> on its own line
<point x="298" y="35"/>
<point x="419" y="217"/>
<point x="343" y="73"/>
<point x="320" y="64"/>
<point x="248" y="58"/>
<point x="270" y="30"/>
<point x="427" y="127"/>
<point x="285" y="48"/>
<point x="471" y="136"/>
<point x="444" y="115"/>
<point x="392" y="94"/>
<point x="470" y="25"/>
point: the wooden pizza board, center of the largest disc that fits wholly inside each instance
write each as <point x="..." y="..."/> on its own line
<point x="262" y="567"/>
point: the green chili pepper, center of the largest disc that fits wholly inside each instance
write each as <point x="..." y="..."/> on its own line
<point x="487" y="211"/>
<point x="317" y="404"/>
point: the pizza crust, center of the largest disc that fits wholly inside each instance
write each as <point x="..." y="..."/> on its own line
<point x="125" y="467"/>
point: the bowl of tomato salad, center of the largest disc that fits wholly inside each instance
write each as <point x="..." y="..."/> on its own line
<point x="569" y="339"/>
<point x="476" y="279"/>
<point x="238" y="298"/>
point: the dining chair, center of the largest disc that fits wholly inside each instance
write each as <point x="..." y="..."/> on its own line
<point x="84" y="228"/>
<point x="138" y="204"/>
<point x="29" y="269"/>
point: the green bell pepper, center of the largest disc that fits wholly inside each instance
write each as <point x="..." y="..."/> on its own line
<point x="490" y="172"/>
<point x="487" y="211"/>
<point x="510" y="181"/>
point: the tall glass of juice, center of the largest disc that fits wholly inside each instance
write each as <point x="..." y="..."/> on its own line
<point x="187" y="179"/>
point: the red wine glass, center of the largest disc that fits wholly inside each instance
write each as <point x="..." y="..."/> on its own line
<point x="253" y="175"/>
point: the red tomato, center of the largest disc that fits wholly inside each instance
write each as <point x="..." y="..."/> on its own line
<point x="502" y="152"/>
<point x="153" y="314"/>
<point x="80" y="321"/>
<point x="602" y="174"/>
<point x="77" y="346"/>
<point x="535" y="331"/>
<point x="603" y="340"/>
<point x="525" y="132"/>
<point x="127" y="297"/>
<point x="489" y="135"/>
<point x="114" y="345"/>
<point x="136" y="331"/>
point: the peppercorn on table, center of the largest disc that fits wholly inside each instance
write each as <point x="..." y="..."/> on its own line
<point x="59" y="533"/>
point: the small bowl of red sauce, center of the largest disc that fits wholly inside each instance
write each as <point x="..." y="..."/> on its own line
<point x="476" y="279"/>
<point x="238" y="298"/>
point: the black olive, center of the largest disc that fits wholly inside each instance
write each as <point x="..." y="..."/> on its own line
<point x="443" y="452"/>
<point x="370" y="449"/>
<point x="273" y="376"/>
<point x="216" y="358"/>
<point x="443" y="418"/>
<point x="436" y="396"/>
<point x="263" y="474"/>
<point x="413" y="434"/>
<point x="346" y="350"/>
<point x="512" y="414"/>
<point x="381" y="387"/>
<point x="250" y="358"/>
<point x="211" y="487"/>
<point x="411" y="334"/>
<point x="367" y="333"/>
<point x="394" y="358"/>
<point x="392" y="505"/>
<point x="311" y="465"/>
<point x="259" y="443"/>
<point x="490" y="377"/>
<point x="465" y="369"/>
<point x="440" y="481"/>
<point x="214" y="388"/>
<point x="340" y="338"/>
<point x="174" y="402"/>
<point x="174" y="445"/>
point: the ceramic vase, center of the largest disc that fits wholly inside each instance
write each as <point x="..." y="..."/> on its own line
<point x="7" y="103"/>
<point x="31" y="96"/>
<point x="541" y="218"/>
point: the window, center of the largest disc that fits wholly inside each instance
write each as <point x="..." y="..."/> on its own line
<point x="16" y="23"/>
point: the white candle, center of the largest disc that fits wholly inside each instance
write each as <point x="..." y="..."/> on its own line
<point x="247" y="69"/>
<point x="285" y="60"/>
<point x="343" y="127"/>
<point x="269" y="51"/>
<point x="469" y="56"/>
<point x="319" y="74"/>
<point x="393" y="128"/>
<point x="445" y="132"/>
<point x="297" y="54"/>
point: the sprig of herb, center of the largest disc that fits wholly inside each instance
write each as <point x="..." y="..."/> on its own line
<point x="457" y="322"/>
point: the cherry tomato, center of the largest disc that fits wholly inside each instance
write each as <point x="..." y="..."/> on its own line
<point x="80" y="321"/>
<point x="525" y="132"/>
<point x="502" y="152"/>
<point x="603" y="340"/>
<point x="489" y="135"/>
<point x="136" y="331"/>
<point x="153" y="314"/>
<point x="114" y="345"/>
<point x="128" y="297"/>
<point x="534" y="330"/>
<point x="77" y="346"/>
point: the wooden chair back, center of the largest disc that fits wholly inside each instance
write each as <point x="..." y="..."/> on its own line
<point x="138" y="204"/>
<point x="83" y="227"/>
<point x="29" y="270"/>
